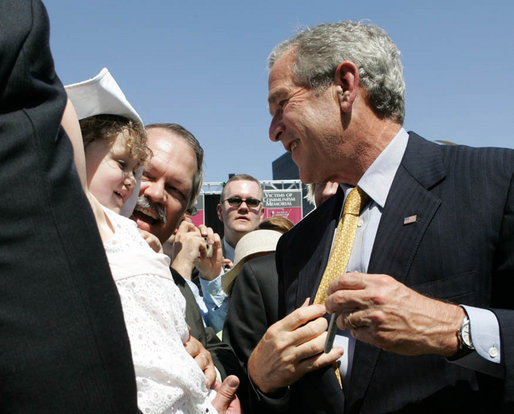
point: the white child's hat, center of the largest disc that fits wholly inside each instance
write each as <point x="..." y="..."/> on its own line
<point x="100" y="95"/>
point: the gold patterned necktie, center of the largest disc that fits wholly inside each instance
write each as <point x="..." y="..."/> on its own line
<point x="342" y="246"/>
<point x="343" y="241"/>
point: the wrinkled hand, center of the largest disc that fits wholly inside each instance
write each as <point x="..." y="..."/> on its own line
<point x="385" y="313"/>
<point x="203" y="358"/>
<point x="226" y="401"/>
<point x="152" y="240"/>
<point x="290" y="348"/>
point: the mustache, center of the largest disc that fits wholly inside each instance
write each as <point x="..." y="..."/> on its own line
<point x="145" y="203"/>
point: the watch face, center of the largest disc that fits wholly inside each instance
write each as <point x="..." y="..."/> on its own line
<point x="466" y="336"/>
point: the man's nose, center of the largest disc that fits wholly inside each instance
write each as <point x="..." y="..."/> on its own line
<point x="243" y="206"/>
<point x="154" y="191"/>
<point x="276" y="129"/>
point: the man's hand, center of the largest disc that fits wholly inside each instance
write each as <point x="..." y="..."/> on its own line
<point x="209" y="266"/>
<point x="226" y="401"/>
<point x="186" y="248"/>
<point x="203" y="358"/>
<point x="290" y="348"/>
<point x="385" y="313"/>
<point x="190" y="249"/>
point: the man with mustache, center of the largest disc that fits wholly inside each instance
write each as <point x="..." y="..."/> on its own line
<point x="170" y="185"/>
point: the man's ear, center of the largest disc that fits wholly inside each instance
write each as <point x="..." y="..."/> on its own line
<point x="347" y="79"/>
<point x="218" y="210"/>
<point x="263" y="213"/>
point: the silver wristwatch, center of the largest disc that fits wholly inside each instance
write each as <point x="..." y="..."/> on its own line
<point x="465" y="341"/>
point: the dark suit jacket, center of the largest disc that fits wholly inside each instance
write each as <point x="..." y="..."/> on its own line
<point x="460" y="249"/>
<point x="253" y="308"/>
<point x="222" y="354"/>
<point x="253" y="305"/>
<point x="63" y="343"/>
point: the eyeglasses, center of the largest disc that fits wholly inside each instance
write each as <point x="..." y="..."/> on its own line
<point x="237" y="201"/>
<point x="192" y="211"/>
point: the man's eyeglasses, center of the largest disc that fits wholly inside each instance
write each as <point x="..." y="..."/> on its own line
<point x="192" y="211"/>
<point x="237" y="201"/>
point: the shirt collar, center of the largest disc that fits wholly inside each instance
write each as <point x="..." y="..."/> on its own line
<point x="229" y="250"/>
<point x="378" y="178"/>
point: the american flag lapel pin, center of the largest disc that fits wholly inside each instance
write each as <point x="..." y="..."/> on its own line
<point x="410" y="219"/>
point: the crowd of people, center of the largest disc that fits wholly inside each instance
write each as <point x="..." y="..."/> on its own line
<point x="114" y="301"/>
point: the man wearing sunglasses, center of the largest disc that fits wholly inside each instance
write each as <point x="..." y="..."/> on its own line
<point x="240" y="209"/>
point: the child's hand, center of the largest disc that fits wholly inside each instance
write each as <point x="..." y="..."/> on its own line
<point x="152" y="241"/>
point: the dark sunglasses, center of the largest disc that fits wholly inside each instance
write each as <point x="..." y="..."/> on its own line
<point x="237" y="201"/>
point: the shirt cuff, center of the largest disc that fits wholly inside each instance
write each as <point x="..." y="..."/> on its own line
<point x="485" y="335"/>
<point x="213" y="291"/>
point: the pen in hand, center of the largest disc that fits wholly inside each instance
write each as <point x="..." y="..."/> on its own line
<point x="331" y="333"/>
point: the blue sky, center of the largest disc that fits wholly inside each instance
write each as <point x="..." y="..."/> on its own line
<point x="202" y="64"/>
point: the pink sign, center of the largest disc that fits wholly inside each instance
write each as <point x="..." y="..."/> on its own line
<point x="198" y="218"/>
<point x="292" y="213"/>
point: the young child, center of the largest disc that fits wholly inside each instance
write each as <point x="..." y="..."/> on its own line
<point x="168" y="378"/>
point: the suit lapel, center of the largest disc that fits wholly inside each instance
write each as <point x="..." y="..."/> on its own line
<point x="396" y="242"/>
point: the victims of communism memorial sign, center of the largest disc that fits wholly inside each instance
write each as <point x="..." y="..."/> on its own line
<point x="281" y="198"/>
<point x="284" y="203"/>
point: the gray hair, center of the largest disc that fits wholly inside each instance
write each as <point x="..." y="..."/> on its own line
<point x="198" y="150"/>
<point x="320" y="49"/>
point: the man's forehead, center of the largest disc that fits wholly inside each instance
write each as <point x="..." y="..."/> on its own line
<point x="280" y="80"/>
<point x="172" y="157"/>
<point x="165" y="144"/>
<point x="243" y="186"/>
<point x="160" y="140"/>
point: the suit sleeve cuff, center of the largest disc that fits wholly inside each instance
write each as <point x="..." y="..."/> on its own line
<point x="278" y="400"/>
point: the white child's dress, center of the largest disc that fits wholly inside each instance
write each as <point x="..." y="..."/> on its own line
<point x="168" y="378"/>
